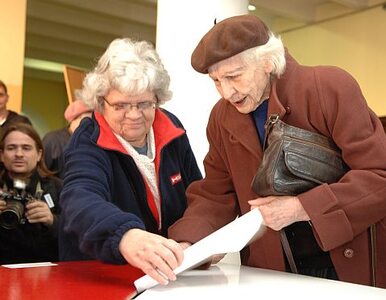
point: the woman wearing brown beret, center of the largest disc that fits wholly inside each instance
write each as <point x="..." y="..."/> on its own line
<point x="327" y="226"/>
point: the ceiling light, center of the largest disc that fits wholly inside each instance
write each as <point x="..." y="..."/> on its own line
<point x="251" y="7"/>
<point x="43" y="65"/>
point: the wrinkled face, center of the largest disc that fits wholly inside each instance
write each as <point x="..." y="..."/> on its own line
<point x="20" y="155"/>
<point x="3" y="98"/>
<point x="130" y="116"/>
<point x="244" y="85"/>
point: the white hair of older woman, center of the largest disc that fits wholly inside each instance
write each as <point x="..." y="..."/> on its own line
<point x="273" y="51"/>
<point x="132" y="68"/>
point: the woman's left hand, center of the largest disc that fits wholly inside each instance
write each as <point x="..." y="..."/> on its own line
<point x="38" y="212"/>
<point x="279" y="211"/>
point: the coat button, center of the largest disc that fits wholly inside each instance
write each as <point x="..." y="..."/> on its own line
<point x="348" y="253"/>
<point x="288" y="110"/>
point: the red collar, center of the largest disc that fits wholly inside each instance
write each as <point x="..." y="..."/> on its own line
<point x="164" y="132"/>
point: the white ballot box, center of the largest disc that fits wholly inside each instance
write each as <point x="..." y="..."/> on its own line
<point x="231" y="281"/>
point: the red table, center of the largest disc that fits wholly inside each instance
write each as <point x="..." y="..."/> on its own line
<point x="79" y="280"/>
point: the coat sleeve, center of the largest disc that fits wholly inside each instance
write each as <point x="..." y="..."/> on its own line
<point x="188" y="160"/>
<point x="214" y="193"/>
<point x="87" y="210"/>
<point x="348" y="207"/>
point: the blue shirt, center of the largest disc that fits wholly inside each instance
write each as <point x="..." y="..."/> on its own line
<point x="260" y="117"/>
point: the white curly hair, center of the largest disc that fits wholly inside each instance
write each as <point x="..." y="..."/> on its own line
<point x="131" y="67"/>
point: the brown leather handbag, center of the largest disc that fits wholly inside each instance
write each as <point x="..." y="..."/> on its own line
<point x="296" y="160"/>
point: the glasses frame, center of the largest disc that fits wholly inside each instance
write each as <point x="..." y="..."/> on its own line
<point x="129" y="106"/>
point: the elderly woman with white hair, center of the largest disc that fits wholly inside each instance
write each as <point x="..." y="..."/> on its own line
<point x="127" y="167"/>
<point x="323" y="231"/>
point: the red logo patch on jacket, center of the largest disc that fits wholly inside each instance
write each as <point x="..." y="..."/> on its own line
<point x="176" y="178"/>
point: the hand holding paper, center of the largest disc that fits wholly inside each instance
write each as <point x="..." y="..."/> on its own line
<point x="152" y="253"/>
<point x="230" y="238"/>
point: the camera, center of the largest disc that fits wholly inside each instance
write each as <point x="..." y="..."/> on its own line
<point x="16" y="199"/>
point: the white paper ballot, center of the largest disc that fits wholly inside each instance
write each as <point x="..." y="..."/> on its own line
<point x="231" y="238"/>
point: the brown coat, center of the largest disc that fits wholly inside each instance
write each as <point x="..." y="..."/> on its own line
<point x="326" y="100"/>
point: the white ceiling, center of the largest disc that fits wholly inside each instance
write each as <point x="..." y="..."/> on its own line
<point x="76" y="32"/>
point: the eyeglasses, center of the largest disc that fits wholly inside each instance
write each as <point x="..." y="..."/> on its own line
<point x="124" y="106"/>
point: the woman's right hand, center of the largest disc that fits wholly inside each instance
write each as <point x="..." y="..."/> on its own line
<point x="153" y="254"/>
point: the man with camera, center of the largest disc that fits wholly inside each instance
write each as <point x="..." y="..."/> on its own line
<point x="28" y="199"/>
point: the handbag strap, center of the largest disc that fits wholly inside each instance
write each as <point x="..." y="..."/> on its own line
<point x="288" y="252"/>
<point x="373" y="254"/>
<point x="272" y="119"/>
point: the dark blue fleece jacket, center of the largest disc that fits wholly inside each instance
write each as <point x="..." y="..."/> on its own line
<point x="105" y="195"/>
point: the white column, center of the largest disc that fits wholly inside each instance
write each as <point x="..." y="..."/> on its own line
<point x="180" y="26"/>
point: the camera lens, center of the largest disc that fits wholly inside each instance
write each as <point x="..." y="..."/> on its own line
<point x="9" y="220"/>
<point x="11" y="215"/>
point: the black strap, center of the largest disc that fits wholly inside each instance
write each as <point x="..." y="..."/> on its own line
<point x="288" y="252"/>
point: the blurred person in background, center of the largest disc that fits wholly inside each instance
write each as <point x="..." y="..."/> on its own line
<point x="55" y="141"/>
<point x="29" y="196"/>
<point x="8" y="116"/>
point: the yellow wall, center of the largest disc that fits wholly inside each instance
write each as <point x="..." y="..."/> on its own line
<point x="44" y="102"/>
<point x="357" y="43"/>
<point x="12" y="36"/>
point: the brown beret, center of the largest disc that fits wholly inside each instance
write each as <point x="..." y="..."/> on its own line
<point x="227" y="38"/>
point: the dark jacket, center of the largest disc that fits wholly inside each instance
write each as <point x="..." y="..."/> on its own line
<point x="54" y="143"/>
<point x="105" y="195"/>
<point x="32" y="242"/>
<point x="14" y="117"/>
<point x="321" y="99"/>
